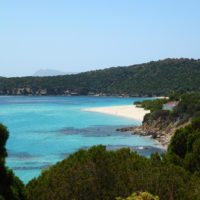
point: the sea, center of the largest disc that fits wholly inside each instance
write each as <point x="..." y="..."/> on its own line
<point x="45" y="130"/>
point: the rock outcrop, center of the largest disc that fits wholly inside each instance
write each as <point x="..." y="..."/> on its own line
<point x="161" y="130"/>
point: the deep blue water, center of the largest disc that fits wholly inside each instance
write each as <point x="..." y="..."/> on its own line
<point x="44" y="130"/>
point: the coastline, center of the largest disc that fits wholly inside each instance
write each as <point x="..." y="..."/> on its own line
<point x="128" y="111"/>
<point x="135" y="113"/>
<point x="88" y="95"/>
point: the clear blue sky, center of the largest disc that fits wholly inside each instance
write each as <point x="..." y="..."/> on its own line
<point x="81" y="35"/>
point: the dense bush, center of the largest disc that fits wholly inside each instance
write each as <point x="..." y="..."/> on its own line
<point x="163" y="114"/>
<point x="11" y="188"/>
<point x="187" y="109"/>
<point x="100" y="174"/>
<point x="184" y="148"/>
<point x="153" y="105"/>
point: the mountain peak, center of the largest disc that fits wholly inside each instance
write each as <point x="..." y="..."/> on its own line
<point x="48" y="72"/>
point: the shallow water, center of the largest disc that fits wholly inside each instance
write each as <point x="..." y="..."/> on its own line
<point x="44" y="130"/>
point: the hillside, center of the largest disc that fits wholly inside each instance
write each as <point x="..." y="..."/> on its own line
<point x="153" y="78"/>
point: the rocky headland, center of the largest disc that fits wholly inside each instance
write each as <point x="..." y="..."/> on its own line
<point x="161" y="130"/>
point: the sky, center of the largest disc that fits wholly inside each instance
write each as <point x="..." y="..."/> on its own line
<point x="83" y="35"/>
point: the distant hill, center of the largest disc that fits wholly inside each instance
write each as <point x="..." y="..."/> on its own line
<point x="49" y="72"/>
<point x="148" y="79"/>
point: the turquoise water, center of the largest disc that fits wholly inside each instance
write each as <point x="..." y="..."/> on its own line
<point x="44" y="130"/>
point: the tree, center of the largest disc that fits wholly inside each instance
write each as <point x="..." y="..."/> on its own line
<point x="11" y="187"/>
<point x="184" y="148"/>
<point x="3" y="138"/>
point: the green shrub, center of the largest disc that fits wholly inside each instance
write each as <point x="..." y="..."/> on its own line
<point x="140" y="196"/>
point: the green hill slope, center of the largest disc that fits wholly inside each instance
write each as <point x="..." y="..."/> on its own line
<point x="153" y="78"/>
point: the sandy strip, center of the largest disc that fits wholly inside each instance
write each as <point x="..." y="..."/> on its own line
<point x="123" y="111"/>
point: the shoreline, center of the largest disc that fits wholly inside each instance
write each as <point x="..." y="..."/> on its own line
<point x="71" y="95"/>
<point x="127" y="111"/>
<point x="131" y="112"/>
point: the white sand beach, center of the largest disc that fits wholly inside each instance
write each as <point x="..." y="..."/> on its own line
<point x="129" y="111"/>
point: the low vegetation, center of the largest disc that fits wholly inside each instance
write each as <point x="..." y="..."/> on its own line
<point x="152" y="105"/>
<point x="140" y="196"/>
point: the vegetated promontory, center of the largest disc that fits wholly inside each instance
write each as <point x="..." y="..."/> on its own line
<point x="162" y="123"/>
<point x="150" y="79"/>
